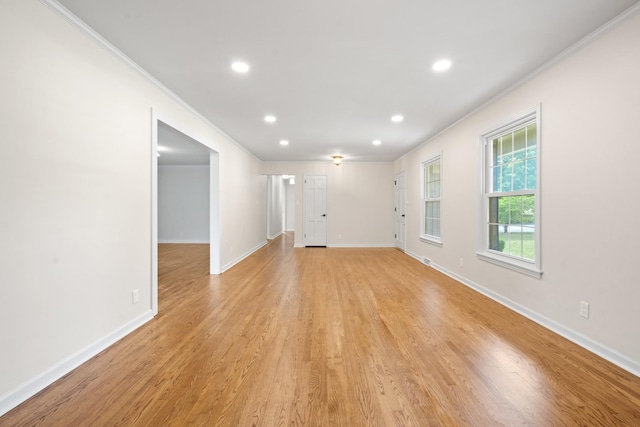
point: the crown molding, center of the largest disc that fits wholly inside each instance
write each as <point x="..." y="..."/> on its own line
<point x="76" y="22"/>
<point x="583" y="42"/>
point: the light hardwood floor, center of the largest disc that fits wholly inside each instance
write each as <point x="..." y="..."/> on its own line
<point x="337" y="336"/>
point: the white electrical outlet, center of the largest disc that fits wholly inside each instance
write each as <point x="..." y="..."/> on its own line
<point x="135" y="297"/>
<point x="584" y="309"/>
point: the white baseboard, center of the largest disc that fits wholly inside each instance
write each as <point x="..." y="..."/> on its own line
<point x="184" y="241"/>
<point x="352" y="245"/>
<point x="595" y="347"/>
<point x="241" y="257"/>
<point x="274" y="236"/>
<point x="361" y="245"/>
<point x="14" y="398"/>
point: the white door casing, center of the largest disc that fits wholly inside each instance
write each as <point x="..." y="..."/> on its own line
<point x="315" y="210"/>
<point x="399" y="210"/>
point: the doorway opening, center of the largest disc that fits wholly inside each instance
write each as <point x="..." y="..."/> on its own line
<point x="281" y="205"/>
<point x="185" y="194"/>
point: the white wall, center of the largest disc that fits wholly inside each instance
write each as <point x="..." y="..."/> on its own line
<point x="183" y="204"/>
<point x="359" y="200"/>
<point x="290" y="210"/>
<point x="75" y="194"/>
<point x="589" y="205"/>
<point x="275" y="206"/>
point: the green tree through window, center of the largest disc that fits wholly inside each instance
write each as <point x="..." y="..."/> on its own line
<point x="513" y="178"/>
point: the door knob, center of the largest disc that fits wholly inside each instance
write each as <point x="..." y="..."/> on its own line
<point x="323" y="215"/>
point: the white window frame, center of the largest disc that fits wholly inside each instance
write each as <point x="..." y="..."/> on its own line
<point x="428" y="238"/>
<point x="530" y="268"/>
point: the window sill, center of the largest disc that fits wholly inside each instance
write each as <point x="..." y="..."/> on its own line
<point x="431" y="240"/>
<point x="514" y="265"/>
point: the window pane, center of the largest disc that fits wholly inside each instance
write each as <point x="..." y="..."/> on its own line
<point x="496" y="178"/>
<point x="515" y="237"/>
<point x="511" y="225"/>
<point x="520" y="242"/>
<point x="434" y="190"/>
<point x="503" y="240"/>
<point x="435" y="171"/>
<point x="503" y="210"/>
<point x="432" y="183"/>
<point x="493" y="209"/>
<point x="518" y="175"/>
<point x="532" y="132"/>
<point x="519" y="143"/>
<point x="435" y="228"/>
<point x="495" y="149"/>
<point x="531" y="174"/>
<point x="528" y="210"/>
<point x="436" y="210"/>
<point x="507" y="148"/>
<point x="515" y="210"/>
<point x="494" y="238"/>
<point x="505" y="180"/>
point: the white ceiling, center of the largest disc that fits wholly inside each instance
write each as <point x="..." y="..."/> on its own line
<point x="333" y="72"/>
<point x="176" y="148"/>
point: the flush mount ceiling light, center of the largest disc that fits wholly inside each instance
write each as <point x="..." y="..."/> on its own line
<point x="377" y="142"/>
<point x="240" y="67"/>
<point x="270" y="119"/>
<point x="442" y="65"/>
<point x="397" y="118"/>
<point x="284" y="142"/>
<point x="337" y="159"/>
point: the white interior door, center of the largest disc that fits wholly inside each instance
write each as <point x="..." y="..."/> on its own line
<point x="315" y="210"/>
<point x="400" y="210"/>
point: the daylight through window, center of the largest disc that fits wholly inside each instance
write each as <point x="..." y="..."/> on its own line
<point x="511" y="196"/>
<point x="432" y="193"/>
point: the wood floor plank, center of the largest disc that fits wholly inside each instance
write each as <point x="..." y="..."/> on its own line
<point x="332" y="337"/>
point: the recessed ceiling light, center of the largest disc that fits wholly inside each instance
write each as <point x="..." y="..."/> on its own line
<point x="284" y="142"/>
<point x="377" y="142"/>
<point x="240" y="67"/>
<point x="270" y="119"/>
<point x="443" y="64"/>
<point x="397" y="118"/>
